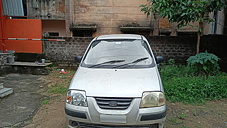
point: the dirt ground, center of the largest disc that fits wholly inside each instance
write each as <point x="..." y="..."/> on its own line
<point x="211" y="115"/>
<point x="51" y="114"/>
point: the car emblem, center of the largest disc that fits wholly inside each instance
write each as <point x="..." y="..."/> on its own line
<point x="113" y="104"/>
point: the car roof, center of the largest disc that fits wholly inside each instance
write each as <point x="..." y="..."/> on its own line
<point x="120" y="36"/>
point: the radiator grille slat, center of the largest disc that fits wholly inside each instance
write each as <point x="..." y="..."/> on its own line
<point x="109" y="107"/>
<point x="113" y="103"/>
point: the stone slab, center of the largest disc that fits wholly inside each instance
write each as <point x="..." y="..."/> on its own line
<point x="32" y="64"/>
<point x="1" y="85"/>
<point x="5" y="91"/>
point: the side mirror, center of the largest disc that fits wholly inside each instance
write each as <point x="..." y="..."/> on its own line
<point x="78" y="59"/>
<point x="159" y="59"/>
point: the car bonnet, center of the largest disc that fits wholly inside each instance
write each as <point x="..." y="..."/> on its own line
<point x="97" y="82"/>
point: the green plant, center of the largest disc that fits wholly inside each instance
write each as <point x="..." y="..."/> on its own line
<point x="185" y="12"/>
<point x="181" y="86"/>
<point x="171" y="62"/>
<point x="52" y="65"/>
<point x="204" y="63"/>
<point x="170" y="69"/>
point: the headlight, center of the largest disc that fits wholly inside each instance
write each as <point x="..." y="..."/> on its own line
<point x="152" y="99"/>
<point x="77" y="98"/>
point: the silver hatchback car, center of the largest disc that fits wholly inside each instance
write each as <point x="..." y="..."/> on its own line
<point x="117" y="84"/>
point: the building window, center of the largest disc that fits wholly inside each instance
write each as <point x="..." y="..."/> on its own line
<point x="83" y="30"/>
<point x="165" y="32"/>
<point x="136" y="29"/>
<point x="82" y="33"/>
<point x="53" y="33"/>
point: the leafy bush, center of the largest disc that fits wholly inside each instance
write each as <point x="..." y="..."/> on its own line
<point x="204" y="63"/>
<point x="180" y="86"/>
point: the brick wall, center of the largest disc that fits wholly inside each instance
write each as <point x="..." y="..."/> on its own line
<point x="175" y="47"/>
<point x="64" y="52"/>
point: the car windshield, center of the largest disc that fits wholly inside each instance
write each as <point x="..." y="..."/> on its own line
<point x="118" y="53"/>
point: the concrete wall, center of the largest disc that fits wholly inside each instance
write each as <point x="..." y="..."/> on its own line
<point x="220" y="22"/>
<point x="46" y="9"/>
<point x="52" y="13"/>
<point x="54" y="26"/>
<point x="109" y="15"/>
<point x="216" y="27"/>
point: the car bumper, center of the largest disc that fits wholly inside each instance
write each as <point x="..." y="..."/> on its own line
<point x="133" y="116"/>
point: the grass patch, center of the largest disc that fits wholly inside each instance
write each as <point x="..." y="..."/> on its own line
<point x="181" y="85"/>
<point x="59" y="81"/>
<point x="182" y="116"/>
<point x="45" y="101"/>
<point x="58" y="88"/>
<point x="175" y="121"/>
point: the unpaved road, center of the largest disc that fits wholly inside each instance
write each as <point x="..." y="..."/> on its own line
<point x="24" y="107"/>
<point x="51" y="115"/>
<point x="18" y="108"/>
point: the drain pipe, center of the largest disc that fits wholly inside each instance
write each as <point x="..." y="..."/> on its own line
<point x="214" y="24"/>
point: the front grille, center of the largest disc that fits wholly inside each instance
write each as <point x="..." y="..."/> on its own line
<point x="86" y="125"/>
<point x="113" y="103"/>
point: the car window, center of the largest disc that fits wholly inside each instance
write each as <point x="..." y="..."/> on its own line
<point x="118" y="52"/>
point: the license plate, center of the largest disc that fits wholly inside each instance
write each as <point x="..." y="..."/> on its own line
<point x="113" y="119"/>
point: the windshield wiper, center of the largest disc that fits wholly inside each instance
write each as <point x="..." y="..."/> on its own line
<point x="111" y="62"/>
<point x="133" y="62"/>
